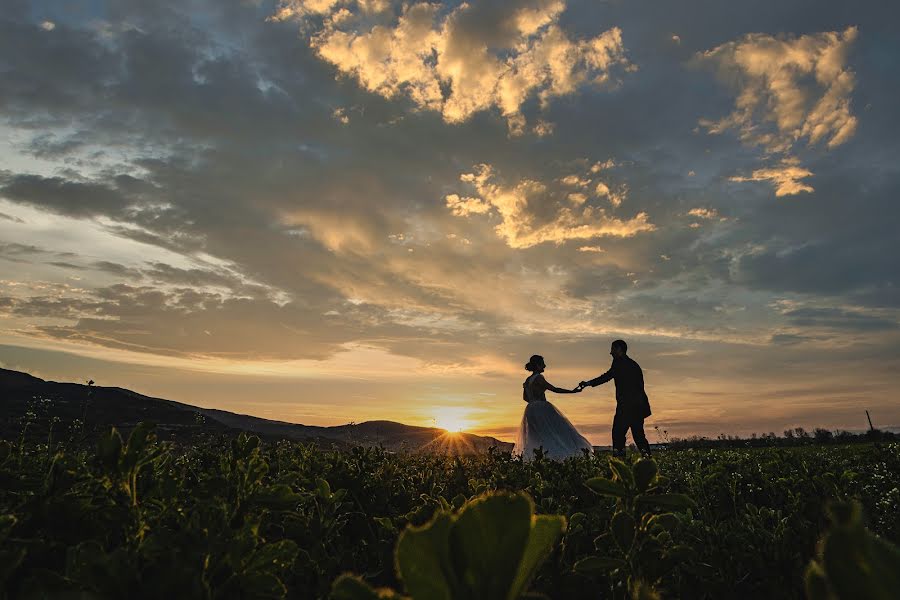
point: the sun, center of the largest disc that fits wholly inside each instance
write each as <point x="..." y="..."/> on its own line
<point x="451" y="419"/>
<point x="451" y="425"/>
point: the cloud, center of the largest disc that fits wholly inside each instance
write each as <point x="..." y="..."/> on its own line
<point x="532" y="213"/>
<point x="615" y="196"/>
<point x="471" y="59"/>
<point x="6" y="217"/>
<point x="839" y="319"/>
<point x="788" y="88"/>
<point x="192" y="322"/>
<point x="787" y="178"/>
<point x="64" y="196"/>
<point x="792" y="91"/>
<point x="232" y="130"/>
<point x="703" y="213"/>
<point x="463" y="207"/>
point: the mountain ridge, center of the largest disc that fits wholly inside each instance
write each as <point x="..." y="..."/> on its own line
<point x="104" y="407"/>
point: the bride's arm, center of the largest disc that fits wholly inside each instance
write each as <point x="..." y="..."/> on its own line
<point x="549" y="386"/>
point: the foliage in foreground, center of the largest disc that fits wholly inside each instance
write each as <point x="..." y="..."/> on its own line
<point x="231" y="518"/>
<point x="852" y="562"/>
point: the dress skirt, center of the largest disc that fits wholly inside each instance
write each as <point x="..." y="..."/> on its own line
<point x="544" y="426"/>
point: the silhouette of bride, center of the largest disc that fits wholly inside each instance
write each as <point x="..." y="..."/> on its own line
<point x="543" y="426"/>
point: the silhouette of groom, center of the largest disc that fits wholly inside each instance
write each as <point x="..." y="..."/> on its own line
<point x="632" y="404"/>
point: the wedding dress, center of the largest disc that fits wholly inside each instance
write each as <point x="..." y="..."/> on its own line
<point x="543" y="426"/>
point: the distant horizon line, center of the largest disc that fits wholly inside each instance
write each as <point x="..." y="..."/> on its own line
<point x="482" y="432"/>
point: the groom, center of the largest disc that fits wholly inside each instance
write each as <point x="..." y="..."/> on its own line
<point x="632" y="404"/>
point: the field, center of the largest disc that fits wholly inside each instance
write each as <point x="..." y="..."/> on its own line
<point x="234" y="517"/>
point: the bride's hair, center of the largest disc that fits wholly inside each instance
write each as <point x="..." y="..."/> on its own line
<point x="532" y="363"/>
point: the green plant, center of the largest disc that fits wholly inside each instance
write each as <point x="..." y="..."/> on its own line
<point x="221" y="516"/>
<point x="123" y="462"/>
<point x="491" y="549"/>
<point x="852" y="563"/>
<point x="641" y="527"/>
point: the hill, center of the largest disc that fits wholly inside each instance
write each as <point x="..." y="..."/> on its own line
<point x="28" y="398"/>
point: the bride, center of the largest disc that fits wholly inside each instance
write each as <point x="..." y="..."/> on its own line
<point x="543" y="426"/>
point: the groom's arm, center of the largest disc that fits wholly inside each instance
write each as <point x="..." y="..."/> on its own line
<point x="602" y="379"/>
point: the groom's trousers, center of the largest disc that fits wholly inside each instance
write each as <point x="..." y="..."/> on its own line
<point x="623" y="421"/>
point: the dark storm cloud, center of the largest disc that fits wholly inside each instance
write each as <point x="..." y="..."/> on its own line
<point x="57" y="194"/>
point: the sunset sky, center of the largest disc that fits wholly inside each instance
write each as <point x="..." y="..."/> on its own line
<point x="326" y="211"/>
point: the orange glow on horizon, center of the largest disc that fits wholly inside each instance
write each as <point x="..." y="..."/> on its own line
<point x="452" y="420"/>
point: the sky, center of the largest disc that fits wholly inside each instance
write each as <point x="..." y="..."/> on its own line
<point x="332" y="211"/>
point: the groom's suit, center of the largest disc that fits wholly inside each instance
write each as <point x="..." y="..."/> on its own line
<point x="632" y="404"/>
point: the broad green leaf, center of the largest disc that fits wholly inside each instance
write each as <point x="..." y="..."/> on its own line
<point x="576" y="520"/>
<point x="622" y="527"/>
<point x="854" y="563"/>
<point x="277" y="497"/>
<point x="109" y="449"/>
<point x="666" y="521"/>
<point x="860" y="565"/>
<point x="598" y="565"/>
<point x="487" y="542"/>
<point x="670" y="501"/>
<point x="623" y="472"/>
<point x="645" y="471"/>
<point x="350" y="587"/>
<point x="545" y="533"/>
<point x="606" y="487"/>
<point x="423" y="559"/>
<point x="322" y="488"/>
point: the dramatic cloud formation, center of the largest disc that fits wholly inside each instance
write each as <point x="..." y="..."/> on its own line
<point x="531" y="213"/>
<point x="790" y="89"/>
<point x="469" y="59"/>
<point x="334" y="210"/>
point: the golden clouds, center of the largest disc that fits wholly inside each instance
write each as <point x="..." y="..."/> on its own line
<point x="531" y="213"/>
<point x="703" y="213"/>
<point x="463" y="207"/>
<point x="786" y="177"/>
<point x="474" y="58"/>
<point x="801" y="86"/>
<point x="789" y="89"/>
